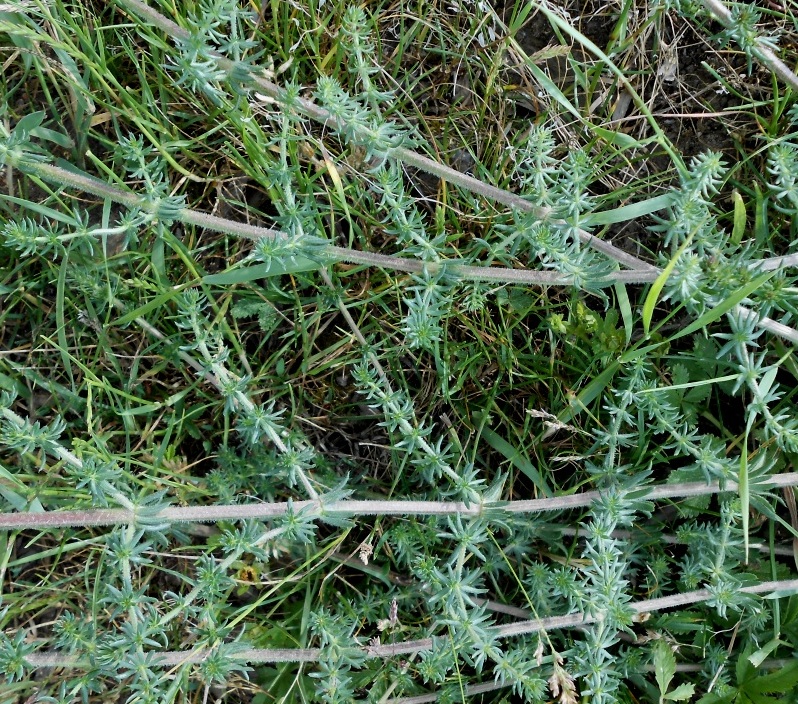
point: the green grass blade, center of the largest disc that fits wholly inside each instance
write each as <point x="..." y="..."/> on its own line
<point x="656" y="288"/>
<point x="517" y="459"/>
<point x="589" y="394"/>
<point x="262" y="271"/>
<point x="739" y="218"/>
<point x="60" y="315"/>
<point x="626" y="310"/>
<point x="624" y="213"/>
<point x="148" y="307"/>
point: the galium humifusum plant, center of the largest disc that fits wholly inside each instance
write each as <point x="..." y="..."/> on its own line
<point x="456" y="557"/>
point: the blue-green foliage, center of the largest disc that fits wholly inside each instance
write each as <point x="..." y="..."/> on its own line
<point x="641" y="429"/>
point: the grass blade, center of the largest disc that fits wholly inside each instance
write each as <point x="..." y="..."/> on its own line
<point x="656" y="288"/>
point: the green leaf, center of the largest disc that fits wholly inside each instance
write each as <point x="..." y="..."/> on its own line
<point x="699" y="391"/>
<point x="656" y="288"/>
<point x="41" y="209"/>
<point x="739" y="218"/>
<point x="664" y="665"/>
<point x="519" y="19"/>
<point x="15" y="385"/>
<point x="16" y="500"/>
<point x="494" y="492"/>
<point x="619" y="139"/>
<point x="781" y="593"/>
<point x="744" y="670"/>
<point x="62" y="140"/>
<point x="60" y="309"/>
<point x="707" y="318"/>
<point x="30" y="122"/>
<point x="714" y="698"/>
<point x="679" y="375"/>
<point x="767" y="380"/>
<point x="681" y="693"/>
<point x="546" y="83"/>
<point x="261" y="271"/>
<point x="12" y="21"/>
<point x="141" y="311"/>
<point x="782" y="681"/>
<point x="722" y="308"/>
<point x="590" y="393"/>
<point x="761" y="225"/>
<point x="756" y="698"/>
<point x="757" y="658"/>
<point x="743" y="490"/>
<point x="622" y="296"/>
<point x="625" y="213"/>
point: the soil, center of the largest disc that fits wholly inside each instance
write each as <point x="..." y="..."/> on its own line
<point x="681" y="64"/>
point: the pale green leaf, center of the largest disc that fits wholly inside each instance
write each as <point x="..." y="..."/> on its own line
<point x="664" y="665"/>
<point x="681" y="693"/>
<point x="738" y="228"/>
<point x="758" y="657"/>
<point x="656" y="288"/>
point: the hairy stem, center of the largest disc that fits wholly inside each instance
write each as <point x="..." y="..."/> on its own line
<point x="519" y="628"/>
<point x="265" y="511"/>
